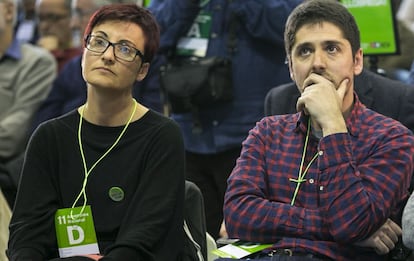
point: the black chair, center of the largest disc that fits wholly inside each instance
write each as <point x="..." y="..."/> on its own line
<point x="9" y="178"/>
<point x="194" y="224"/>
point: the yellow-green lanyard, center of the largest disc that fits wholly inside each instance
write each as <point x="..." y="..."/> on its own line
<point x="88" y="172"/>
<point x="301" y="175"/>
<point x="204" y="3"/>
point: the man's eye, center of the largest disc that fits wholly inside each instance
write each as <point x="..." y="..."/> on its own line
<point x="304" y="51"/>
<point x="332" y="49"/>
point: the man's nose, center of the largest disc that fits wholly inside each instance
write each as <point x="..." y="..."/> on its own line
<point x="319" y="60"/>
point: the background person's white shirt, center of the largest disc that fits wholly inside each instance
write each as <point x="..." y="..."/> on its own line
<point x="5" y="215"/>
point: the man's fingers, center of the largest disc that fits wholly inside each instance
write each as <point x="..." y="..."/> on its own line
<point x="392" y="230"/>
<point x="388" y="241"/>
<point x="343" y="87"/>
<point x="300" y="106"/>
<point x="380" y="247"/>
<point x="395" y="227"/>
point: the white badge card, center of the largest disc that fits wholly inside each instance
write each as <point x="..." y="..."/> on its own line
<point x="239" y="249"/>
<point x="75" y="232"/>
<point x="196" y="41"/>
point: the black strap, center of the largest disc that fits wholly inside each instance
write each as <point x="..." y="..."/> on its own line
<point x="232" y="48"/>
<point x="232" y="37"/>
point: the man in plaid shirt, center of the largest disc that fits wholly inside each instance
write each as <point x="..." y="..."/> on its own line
<point x="330" y="181"/>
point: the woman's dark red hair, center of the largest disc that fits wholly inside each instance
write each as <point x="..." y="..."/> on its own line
<point x="134" y="14"/>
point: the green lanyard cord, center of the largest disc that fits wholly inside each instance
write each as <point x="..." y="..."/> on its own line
<point x="88" y="172"/>
<point x="301" y="175"/>
<point x="203" y="3"/>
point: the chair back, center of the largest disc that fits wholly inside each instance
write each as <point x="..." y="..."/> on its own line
<point x="195" y="248"/>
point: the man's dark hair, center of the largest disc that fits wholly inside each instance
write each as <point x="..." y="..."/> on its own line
<point x="318" y="11"/>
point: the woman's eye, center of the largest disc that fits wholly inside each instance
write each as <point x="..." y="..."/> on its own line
<point x="98" y="42"/>
<point x="124" y="49"/>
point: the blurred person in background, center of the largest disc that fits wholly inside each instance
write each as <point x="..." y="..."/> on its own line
<point x="258" y="64"/>
<point x="408" y="223"/>
<point x="81" y="11"/>
<point x="26" y="75"/>
<point x="397" y="66"/>
<point x="5" y="214"/>
<point x="54" y="28"/>
<point x="27" y="30"/>
<point x="405" y="13"/>
<point x="411" y="75"/>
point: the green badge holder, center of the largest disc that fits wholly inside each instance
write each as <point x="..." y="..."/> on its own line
<point x="75" y="232"/>
<point x="196" y="41"/>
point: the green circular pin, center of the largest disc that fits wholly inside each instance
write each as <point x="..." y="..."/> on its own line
<point x="116" y="194"/>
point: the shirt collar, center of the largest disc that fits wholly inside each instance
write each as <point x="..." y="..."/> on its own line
<point x="353" y="122"/>
<point x="13" y="51"/>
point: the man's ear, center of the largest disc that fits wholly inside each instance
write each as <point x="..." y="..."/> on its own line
<point x="289" y="63"/>
<point x="358" y="62"/>
<point x="143" y="71"/>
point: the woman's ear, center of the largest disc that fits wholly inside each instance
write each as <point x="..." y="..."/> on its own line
<point x="143" y="71"/>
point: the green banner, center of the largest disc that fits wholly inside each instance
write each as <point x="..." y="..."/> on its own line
<point x="376" y="24"/>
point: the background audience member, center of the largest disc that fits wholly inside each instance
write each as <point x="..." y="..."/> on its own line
<point x="113" y="154"/>
<point x="405" y="13"/>
<point x="81" y="12"/>
<point x="411" y="75"/>
<point x="330" y="181"/>
<point x="408" y="223"/>
<point x="397" y="66"/>
<point x="27" y="30"/>
<point x="5" y="215"/>
<point x="258" y="63"/>
<point x="69" y="88"/>
<point x="26" y="74"/>
<point x="54" y="29"/>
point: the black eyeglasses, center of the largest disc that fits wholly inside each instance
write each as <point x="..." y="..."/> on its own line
<point x="122" y="51"/>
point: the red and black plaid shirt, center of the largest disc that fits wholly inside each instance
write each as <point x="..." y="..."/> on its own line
<point x="359" y="179"/>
